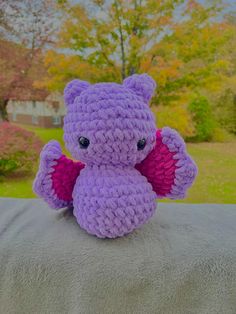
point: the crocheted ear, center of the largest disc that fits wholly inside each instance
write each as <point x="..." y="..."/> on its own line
<point x="142" y="84"/>
<point x="74" y="89"/>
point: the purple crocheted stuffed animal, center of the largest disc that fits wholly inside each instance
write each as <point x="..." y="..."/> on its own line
<point x="126" y="163"/>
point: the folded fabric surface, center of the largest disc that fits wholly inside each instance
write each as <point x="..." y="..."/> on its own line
<point x="182" y="262"/>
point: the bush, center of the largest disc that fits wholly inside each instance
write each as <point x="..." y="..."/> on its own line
<point x="225" y="111"/>
<point x="203" y="120"/>
<point x="221" y="135"/>
<point x="176" y="117"/>
<point x="19" y="149"/>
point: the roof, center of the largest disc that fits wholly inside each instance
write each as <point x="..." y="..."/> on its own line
<point x="25" y="91"/>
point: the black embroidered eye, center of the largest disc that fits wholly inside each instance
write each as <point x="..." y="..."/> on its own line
<point x="83" y="142"/>
<point x="141" y="144"/>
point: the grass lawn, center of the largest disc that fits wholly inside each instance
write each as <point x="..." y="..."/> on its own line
<point x="216" y="181"/>
<point x="47" y="134"/>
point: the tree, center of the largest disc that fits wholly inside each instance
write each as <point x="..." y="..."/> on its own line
<point x="18" y="73"/>
<point x="25" y="29"/>
<point x="184" y="45"/>
<point x="119" y="38"/>
<point x="107" y="41"/>
<point x="28" y="23"/>
<point x="202" y="117"/>
<point x="225" y="98"/>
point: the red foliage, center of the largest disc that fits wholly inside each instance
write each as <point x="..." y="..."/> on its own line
<point x="26" y="28"/>
<point x="19" y="149"/>
<point x="19" y="71"/>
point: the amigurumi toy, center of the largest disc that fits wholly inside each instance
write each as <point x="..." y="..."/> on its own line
<point x="125" y="162"/>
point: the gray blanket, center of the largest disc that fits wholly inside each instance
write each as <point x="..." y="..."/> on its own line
<point x="182" y="262"/>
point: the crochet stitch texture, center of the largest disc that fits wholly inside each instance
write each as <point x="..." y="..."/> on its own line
<point x="125" y="162"/>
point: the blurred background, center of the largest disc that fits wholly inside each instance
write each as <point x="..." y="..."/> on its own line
<point x="188" y="47"/>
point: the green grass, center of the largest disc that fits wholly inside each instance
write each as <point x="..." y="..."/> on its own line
<point x="47" y="134"/>
<point x="216" y="181"/>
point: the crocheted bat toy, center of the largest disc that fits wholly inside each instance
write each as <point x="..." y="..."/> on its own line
<point x="125" y="162"/>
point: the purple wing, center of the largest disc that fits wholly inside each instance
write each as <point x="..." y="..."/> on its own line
<point x="56" y="176"/>
<point x="168" y="167"/>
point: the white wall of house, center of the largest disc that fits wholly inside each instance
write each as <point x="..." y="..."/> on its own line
<point x="52" y="107"/>
<point x="38" y="108"/>
<point x="26" y="107"/>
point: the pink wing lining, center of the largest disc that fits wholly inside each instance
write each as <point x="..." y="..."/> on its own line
<point x="168" y="167"/>
<point x="56" y="176"/>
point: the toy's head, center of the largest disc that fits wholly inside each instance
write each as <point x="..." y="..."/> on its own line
<point x="109" y="123"/>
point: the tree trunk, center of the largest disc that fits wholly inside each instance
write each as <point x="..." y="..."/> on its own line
<point x="3" y="110"/>
<point x="123" y="57"/>
<point x="122" y="54"/>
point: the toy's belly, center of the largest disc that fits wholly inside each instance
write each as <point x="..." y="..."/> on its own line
<point x="112" y="202"/>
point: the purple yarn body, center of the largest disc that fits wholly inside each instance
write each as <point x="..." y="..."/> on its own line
<point x="112" y="201"/>
<point x="110" y="196"/>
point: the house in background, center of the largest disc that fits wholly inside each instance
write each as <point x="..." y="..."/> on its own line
<point x="38" y="108"/>
<point x="24" y="100"/>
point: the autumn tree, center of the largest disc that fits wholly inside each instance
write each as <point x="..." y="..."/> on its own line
<point x="193" y="53"/>
<point x="25" y="29"/>
<point x="184" y="45"/>
<point x="101" y="40"/>
<point x="225" y="98"/>
<point x="124" y="37"/>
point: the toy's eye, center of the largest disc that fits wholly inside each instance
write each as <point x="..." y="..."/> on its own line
<point x="141" y="144"/>
<point x="83" y="142"/>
